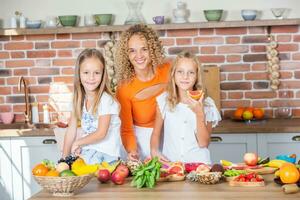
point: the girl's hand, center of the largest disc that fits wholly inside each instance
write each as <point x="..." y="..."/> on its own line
<point x="133" y="155"/>
<point x="196" y="106"/>
<point x="76" y="149"/>
<point x="160" y="156"/>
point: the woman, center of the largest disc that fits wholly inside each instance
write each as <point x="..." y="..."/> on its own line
<point x="141" y="76"/>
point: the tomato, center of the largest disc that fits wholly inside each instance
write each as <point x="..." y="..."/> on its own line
<point x="40" y="170"/>
<point x="175" y="170"/>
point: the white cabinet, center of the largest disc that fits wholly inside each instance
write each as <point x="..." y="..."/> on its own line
<point x="6" y="184"/>
<point x="26" y="153"/>
<point x="274" y="144"/>
<point x="231" y="147"/>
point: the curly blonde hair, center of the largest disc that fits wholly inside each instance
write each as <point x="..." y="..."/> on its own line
<point x="124" y="69"/>
<point x="172" y="89"/>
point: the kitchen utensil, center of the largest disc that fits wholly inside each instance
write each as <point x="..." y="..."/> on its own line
<point x="278" y="12"/>
<point x="33" y="24"/>
<point x="249" y="15"/>
<point x="103" y="19"/>
<point x="68" y="20"/>
<point x="7" y="117"/>
<point x="213" y="15"/>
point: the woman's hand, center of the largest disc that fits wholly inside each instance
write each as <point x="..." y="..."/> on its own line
<point x="76" y="149"/>
<point x="133" y="155"/>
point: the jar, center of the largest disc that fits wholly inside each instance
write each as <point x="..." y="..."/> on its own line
<point x="180" y="13"/>
<point x="284" y="111"/>
<point x="35" y="112"/>
<point x="46" y="114"/>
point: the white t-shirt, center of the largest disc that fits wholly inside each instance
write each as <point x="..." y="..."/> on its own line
<point x="112" y="142"/>
<point x="180" y="143"/>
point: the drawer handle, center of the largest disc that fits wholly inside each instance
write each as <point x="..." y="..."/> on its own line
<point x="49" y="141"/>
<point x="296" y="138"/>
<point x="216" y="139"/>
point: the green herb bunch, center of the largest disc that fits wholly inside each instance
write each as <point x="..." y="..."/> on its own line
<point x="147" y="174"/>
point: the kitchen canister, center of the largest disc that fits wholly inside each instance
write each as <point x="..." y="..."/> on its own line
<point x="35" y="112"/>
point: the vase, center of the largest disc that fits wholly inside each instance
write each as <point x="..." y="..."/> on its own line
<point x="180" y="13"/>
<point x="135" y="16"/>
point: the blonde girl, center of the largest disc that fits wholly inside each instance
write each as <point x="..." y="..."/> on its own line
<point x="186" y="123"/>
<point x="95" y="107"/>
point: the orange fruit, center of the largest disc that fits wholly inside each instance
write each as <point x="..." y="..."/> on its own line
<point x="289" y="173"/>
<point x="250" y="109"/>
<point x="40" y="170"/>
<point x="247" y="115"/>
<point x="238" y="113"/>
<point x="196" y="94"/>
<point x="258" y="113"/>
<point x="52" y="173"/>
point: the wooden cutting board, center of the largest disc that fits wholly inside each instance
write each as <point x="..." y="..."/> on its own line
<point x="263" y="170"/>
<point x="212" y="83"/>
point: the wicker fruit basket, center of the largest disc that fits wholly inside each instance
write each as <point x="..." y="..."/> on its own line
<point x="63" y="186"/>
<point x="209" y="177"/>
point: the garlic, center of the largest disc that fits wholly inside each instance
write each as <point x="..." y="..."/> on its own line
<point x="109" y="49"/>
<point x="273" y="63"/>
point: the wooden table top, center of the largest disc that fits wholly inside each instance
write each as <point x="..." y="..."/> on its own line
<point x="177" y="190"/>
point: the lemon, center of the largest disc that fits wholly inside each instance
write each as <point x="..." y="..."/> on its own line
<point x="225" y="163"/>
<point x="247" y="115"/>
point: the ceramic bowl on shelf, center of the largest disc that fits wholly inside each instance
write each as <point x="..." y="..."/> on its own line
<point x="103" y="19"/>
<point x="213" y="15"/>
<point x="278" y="12"/>
<point x="33" y="24"/>
<point x="249" y="15"/>
<point x="68" y="20"/>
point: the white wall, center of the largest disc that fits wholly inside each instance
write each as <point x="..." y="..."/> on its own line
<point x="40" y="9"/>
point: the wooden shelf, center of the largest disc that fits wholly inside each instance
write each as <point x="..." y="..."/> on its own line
<point x="117" y="28"/>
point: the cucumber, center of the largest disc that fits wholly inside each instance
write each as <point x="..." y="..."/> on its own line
<point x="263" y="161"/>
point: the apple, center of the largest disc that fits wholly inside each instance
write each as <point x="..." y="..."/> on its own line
<point x="123" y="170"/>
<point x="250" y="159"/>
<point x="117" y="178"/>
<point x="103" y="175"/>
<point x="203" y="168"/>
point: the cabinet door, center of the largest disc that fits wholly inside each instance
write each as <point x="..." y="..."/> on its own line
<point x="26" y="153"/>
<point x="274" y="144"/>
<point x="6" y="191"/>
<point x="231" y="147"/>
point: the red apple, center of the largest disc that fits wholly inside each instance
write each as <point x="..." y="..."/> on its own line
<point x="123" y="170"/>
<point x="203" y="168"/>
<point x="117" y="178"/>
<point x="250" y="159"/>
<point x="103" y="175"/>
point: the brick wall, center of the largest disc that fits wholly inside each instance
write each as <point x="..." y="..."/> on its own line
<point x="239" y="52"/>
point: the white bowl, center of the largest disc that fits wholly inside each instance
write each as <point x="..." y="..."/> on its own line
<point x="278" y="12"/>
<point x="33" y="23"/>
<point x="249" y="15"/>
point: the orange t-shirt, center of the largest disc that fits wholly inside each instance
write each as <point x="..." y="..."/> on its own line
<point x="135" y="111"/>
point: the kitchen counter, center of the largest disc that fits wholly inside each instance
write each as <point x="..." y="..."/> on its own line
<point x="225" y="126"/>
<point x="261" y="126"/>
<point x="177" y="190"/>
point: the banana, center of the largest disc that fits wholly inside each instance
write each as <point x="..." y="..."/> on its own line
<point x="109" y="167"/>
<point x="275" y="163"/>
<point x="226" y="163"/>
